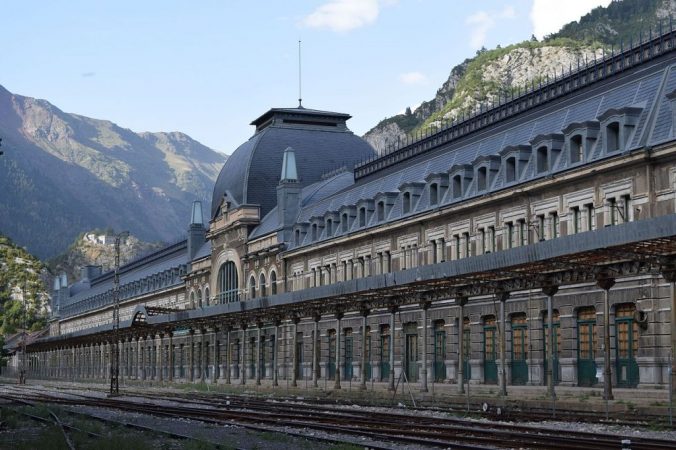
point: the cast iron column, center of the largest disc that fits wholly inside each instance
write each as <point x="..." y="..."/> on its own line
<point x="191" y="355"/>
<point x="242" y="371"/>
<point x="502" y="297"/>
<point x="214" y="358"/>
<point x="258" y="353"/>
<point x="364" y="334"/>
<point x="275" y="353"/>
<point x="462" y="301"/>
<point x="294" y="351"/>
<point x="315" y="349"/>
<point x="339" y="316"/>
<point x="423" y="382"/>
<point x="171" y="356"/>
<point x="550" y="291"/>
<point x="228" y="356"/>
<point x="605" y="282"/>
<point x="393" y="311"/>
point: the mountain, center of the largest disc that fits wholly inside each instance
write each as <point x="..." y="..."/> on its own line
<point x="499" y="73"/>
<point x="62" y="174"/>
<point x="97" y="248"/>
<point x="23" y="295"/>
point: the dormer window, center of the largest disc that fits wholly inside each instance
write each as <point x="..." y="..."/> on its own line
<point x="314" y="231"/>
<point x="380" y="208"/>
<point x="618" y="125"/>
<point x="362" y="217"/>
<point x="613" y="137"/>
<point x="457" y="186"/>
<point x="329" y="227"/>
<point x="481" y="178"/>
<point x="576" y="148"/>
<point x="434" y="194"/>
<point x="297" y="237"/>
<point x="542" y="156"/>
<point x="343" y="222"/>
<point x="510" y="169"/>
<point x="406" y="199"/>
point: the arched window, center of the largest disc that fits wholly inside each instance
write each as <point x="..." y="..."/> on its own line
<point x="199" y="298"/>
<point x="273" y="282"/>
<point x="227" y="283"/>
<point x="206" y="295"/>
<point x="261" y="285"/>
<point x="252" y="287"/>
<point x="192" y="299"/>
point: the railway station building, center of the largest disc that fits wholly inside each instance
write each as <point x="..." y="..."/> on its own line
<point x="531" y="243"/>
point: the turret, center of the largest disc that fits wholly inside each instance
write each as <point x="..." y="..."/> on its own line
<point x="196" y="231"/>
<point x="60" y="293"/>
<point x="288" y="193"/>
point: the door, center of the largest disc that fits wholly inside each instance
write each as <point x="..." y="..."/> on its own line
<point x="349" y="353"/>
<point x="519" y="350"/>
<point x="555" y="349"/>
<point x="626" y="346"/>
<point x="490" y="353"/>
<point x="466" y="366"/>
<point x="440" y="354"/>
<point x="385" y="353"/>
<point x="331" y="363"/>
<point x="586" y="345"/>
<point x="411" y="357"/>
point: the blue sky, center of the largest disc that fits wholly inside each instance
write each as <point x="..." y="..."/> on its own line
<point x="207" y="68"/>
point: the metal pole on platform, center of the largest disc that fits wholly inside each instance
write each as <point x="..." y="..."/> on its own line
<point x="115" y="356"/>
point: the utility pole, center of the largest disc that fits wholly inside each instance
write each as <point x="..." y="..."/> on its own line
<point x="115" y="356"/>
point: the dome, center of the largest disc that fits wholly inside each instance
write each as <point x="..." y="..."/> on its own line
<point x="321" y="141"/>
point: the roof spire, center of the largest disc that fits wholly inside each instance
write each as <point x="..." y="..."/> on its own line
<point x="300" y="96"/>
<point x="289" y="171"/>
<point x="196" y="215"/>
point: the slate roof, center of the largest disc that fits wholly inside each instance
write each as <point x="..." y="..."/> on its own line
<point x="156" y="271"/>
<point x="251" y="174"/>
<point x="645" y="88"/>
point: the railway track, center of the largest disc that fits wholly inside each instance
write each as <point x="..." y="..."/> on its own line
<point x="391" y="427"/>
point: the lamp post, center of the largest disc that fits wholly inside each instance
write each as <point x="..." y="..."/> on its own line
<point x="115" y="356"/>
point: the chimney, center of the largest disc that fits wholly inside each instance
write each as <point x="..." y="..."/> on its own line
<point x="196" y="231"/>
<point x="89" y="272"/>
<point x="288" y="193"/>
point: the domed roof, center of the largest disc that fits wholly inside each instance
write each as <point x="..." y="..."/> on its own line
<point x="321" y="141"/>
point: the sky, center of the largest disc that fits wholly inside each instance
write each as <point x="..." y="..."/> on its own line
<point x="208" y="68"/>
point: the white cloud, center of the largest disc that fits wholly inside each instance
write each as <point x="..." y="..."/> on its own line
<point x="413" y="78"/>
<point x="344" y="15"/>
<point x="548" y="16"/>
<point x="482" y="21"/>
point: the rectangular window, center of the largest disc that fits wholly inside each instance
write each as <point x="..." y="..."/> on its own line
<point x="625" y="208"/>
<point x="553" y="224"/>
<point x="491" y="239"/>
<point x="523" y="230"/>
<point x="577" y="219"/>
<point x="509" y="238"/>
<point x="465" y="237"/>
<point x="541" y="227"/>
<point x="456" y="241"/>
<point x="589" y="209"/>
<point x="482" y="239"/>
<point x="612" y="207"/>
